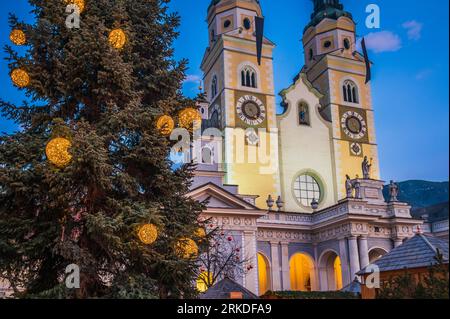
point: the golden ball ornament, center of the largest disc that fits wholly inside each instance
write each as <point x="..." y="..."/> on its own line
<point x="57" y="152"/>
<point x="18" y="37"/>
<point x="200" y="232"/>
<point x="186" y="248"/>
<point x="117" y="38"/>
<point x="20" y="78"/>
<point x="190" y="119"/>
<point x="79" y="3"/>
<point x="148" y="234"/>
<point x="165" y="125"/>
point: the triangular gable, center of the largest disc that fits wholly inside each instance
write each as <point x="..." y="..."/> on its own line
<point x="219" y="197"/>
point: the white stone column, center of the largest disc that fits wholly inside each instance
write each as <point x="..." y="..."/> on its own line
<point x="346" y="278"/>
<point x="354" y="256"/>
<point x="363" y="252"/>
<point x="286" y="278"/>
<point x="251" y="278"/>
<point x="275" y="266"/>
<point x="398" y="242"/>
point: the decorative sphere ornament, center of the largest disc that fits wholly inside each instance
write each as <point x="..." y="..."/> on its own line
<point x="79" y="3"/>
<point x="190" y="118"/>
<point x="18" y="37"/>
<point x="200" y="232"/>
<point x="165" y="125"/>
<point x="20" y="78"/>
<point x="148" y="234"/>
<point x="57" y="152"/>
<point x="186" y="248"/>
<point x="117" y="38"/>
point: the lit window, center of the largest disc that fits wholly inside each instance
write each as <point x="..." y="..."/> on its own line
<point x="350" y="92"/>
<point x="248" y="77"/>
<point x="307" y="189"/>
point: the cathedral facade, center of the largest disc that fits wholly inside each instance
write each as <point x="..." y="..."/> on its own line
<point x="301" y="190"/>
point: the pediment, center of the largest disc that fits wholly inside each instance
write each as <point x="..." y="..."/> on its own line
<point x="218" y="197"/>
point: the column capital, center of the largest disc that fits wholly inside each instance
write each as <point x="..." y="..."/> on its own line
<point x="352" y="237"/>
<point x="363" y="237"/>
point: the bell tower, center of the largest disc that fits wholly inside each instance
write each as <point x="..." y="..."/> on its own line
<point x="334" y="66"/>
<point x="241" y="96"/>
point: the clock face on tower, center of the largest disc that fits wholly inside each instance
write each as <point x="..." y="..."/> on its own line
<point x="354" y="125"/>
<point x="251" y="110"/>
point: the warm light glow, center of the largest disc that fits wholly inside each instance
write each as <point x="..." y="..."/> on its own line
<point x="204" y="280"/>
<point x="263" y="275"/>
<point x="190" y="119"/>
<point x="20" y="78"/>
<point x="338" y="273"/>
<point x="186" y="248"/>
<point x="57" y="152"/>
<point x="165" y="125"/>
<point x="18" y="37"/>
<point x="117" y="38"/>
<point x="148" y="234"/>
<point x="79" y="3"/>
<point x="200" y="232"/>
<point x="301" y="272"/>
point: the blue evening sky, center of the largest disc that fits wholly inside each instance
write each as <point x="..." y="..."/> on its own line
<point x="410" y="76"/>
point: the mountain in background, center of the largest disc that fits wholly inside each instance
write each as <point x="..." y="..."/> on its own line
<point x="426" y="198"/>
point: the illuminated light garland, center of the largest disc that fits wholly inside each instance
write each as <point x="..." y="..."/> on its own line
<point x="165" y="125"/>
<point x="186" y="248"/>
<point x="18" y="37"/>
<point x="190" y="119"/>
<point x="79" y="3"/>
<point x="117" y="38"/>
<point x="20" y="78"/>
<point x="148" y="234"/>
<point x="57" y="151"/>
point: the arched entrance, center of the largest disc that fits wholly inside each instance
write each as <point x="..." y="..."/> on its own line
<point x="375" y="254"/>
<point x="263" y="274"/>
<point x="302" y="274"/>
<point x="331" y="271"/>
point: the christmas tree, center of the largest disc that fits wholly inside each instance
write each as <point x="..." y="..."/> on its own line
<point x="87" y="180"/>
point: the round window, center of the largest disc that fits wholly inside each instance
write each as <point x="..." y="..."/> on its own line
<point x="247" y="24"/>
<point x="346" y="44"/>
<point x="307" y="189"/>
<point x="327" y="44"/>
<point x="227" y="24"/>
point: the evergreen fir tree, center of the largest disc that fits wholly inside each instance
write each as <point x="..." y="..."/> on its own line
<point x="105" y="101"/>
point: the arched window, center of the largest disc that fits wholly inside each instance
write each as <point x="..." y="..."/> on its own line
<point x="214" y="87"/>
<point x="301" y="270"/>
<point x="350" y="92"/>
<point x="303" y="114"/>
<point x="249" y="77"/>
<point x="263" y="274"/>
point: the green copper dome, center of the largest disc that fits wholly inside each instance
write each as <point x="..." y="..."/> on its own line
<point x="214" y="2"/>
<point x="331" y="9"/>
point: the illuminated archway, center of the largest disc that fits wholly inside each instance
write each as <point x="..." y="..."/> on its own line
<point x="376" y="253"/>
<point x="331" y="271"/>
<point x="301" y="269"/>
<point x="204" y="281"/>
<point x="263" y="274"/>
